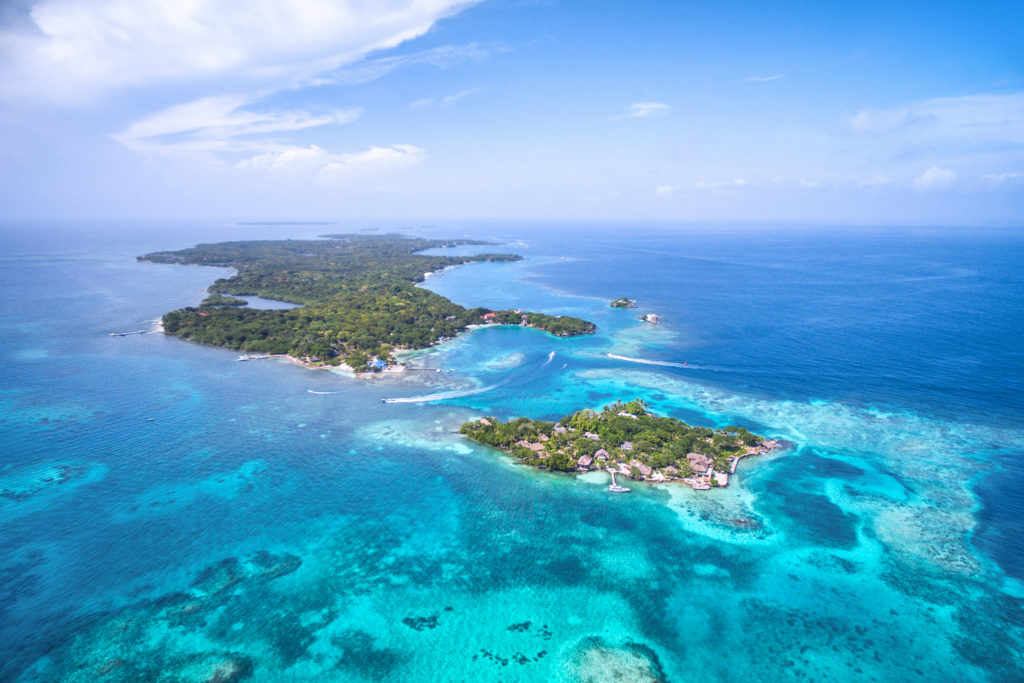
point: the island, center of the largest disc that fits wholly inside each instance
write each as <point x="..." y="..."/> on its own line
<point x="356" y="294"/>
<point x="623" y="302"/>
<point x="626" y="439"/>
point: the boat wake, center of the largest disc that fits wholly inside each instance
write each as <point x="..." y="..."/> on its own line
<point x="321" y="393"/>
<point x="459" y="393"/>
<point x="647" y="361"/>
<point x="442" y="395"/>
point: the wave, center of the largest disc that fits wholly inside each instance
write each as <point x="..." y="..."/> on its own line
<point x="321" y="393"/>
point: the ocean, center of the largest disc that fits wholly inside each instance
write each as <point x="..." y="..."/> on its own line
<point x="168" y="513"/>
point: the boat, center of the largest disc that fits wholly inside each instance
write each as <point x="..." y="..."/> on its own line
<point x="615" y="488"/>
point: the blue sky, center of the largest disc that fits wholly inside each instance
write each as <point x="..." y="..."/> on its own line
<point x="504" y="109"/>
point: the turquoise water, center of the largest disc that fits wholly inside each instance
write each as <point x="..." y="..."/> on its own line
<point x="168" y="513"/>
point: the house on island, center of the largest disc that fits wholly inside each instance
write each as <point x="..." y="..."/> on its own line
<point x="601" y="454"/>
<point x="584" y="463"/>
<point x="377" y="364"/>
<point x="644" y="470"/>
<point x="592" y="436"/>
<point x="626" y="445"/>
<point x="535" y="447"/>
<point x="699" y="462"/>
<point x="488" y="317"/>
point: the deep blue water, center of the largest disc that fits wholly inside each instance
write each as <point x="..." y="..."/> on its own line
<point x="168" y="511"/>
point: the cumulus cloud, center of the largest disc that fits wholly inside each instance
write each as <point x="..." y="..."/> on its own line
<point x="642" y="110"/>
<point x="79" y="49"/>
<point x="315" y="161"/>
<point x="935" y="178"/>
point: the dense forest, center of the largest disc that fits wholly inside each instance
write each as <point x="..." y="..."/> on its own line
<point x="622" y="436"/>
<point x="357" y="298"/>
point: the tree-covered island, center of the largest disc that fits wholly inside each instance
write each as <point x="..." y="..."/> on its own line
<point x="357" y="298"/>
<point x="623" y="302"/>
<point x="624" y="438"/>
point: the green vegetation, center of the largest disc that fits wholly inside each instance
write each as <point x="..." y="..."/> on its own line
<point x="623" y="302"/>
<point x="623" y="436"/>
<point x="357" y="298"/>
<point x="218" y="300"/>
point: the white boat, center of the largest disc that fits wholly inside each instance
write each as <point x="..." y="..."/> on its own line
<point x="615" y="488"/>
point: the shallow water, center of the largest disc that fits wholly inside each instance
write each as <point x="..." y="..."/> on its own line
<point x="169" y="513"/>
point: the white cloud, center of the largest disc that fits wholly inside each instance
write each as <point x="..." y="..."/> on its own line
<point x="878" y="120"/>
<point x="452" y="99"/>
<point x="1005" y="178"/>
<point x="317" y="162"/>
<point x="995" y="119"/>
<point x="225" y="117"/>
<point x="809" y="183"/>
<point x="446" y="101"/>
<point x="216" y="125"/>
<point x="718" y="184"/>
<point x="935" y="178"/>
<point x="441" y="57"/>
<point x="642" y="110"/>
<point x="79" y="49"/>
<point x="663" y="190"/>
<point x="765" y="79"/>
<point x="875" y="181"/>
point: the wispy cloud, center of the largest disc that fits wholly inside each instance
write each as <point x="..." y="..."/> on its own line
<point x="718" y="184"/>
<point x="441" y="57"/>
<point x="879" y="120"/>
<point x="80" y="49"/>
<point x="972" y="118"/>
<point x="935" y="178"/>
<point x="445" y="101"/>
<point x="875" y="181"/>
<point x="1004" y="178"/>
<point x="226" y="117"/>
<point x="765" y="79"/>
<point x="663" y="190"/>
<point x="220" y="129"/>
<point x="642" y="110"/>
<point x="325" y="166"/>
<point x="225" y="123"/>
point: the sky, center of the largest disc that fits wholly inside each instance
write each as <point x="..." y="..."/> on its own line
<point x="804" y="112"/>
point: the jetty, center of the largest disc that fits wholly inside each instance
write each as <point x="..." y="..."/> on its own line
<point x="615" y="488"/>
